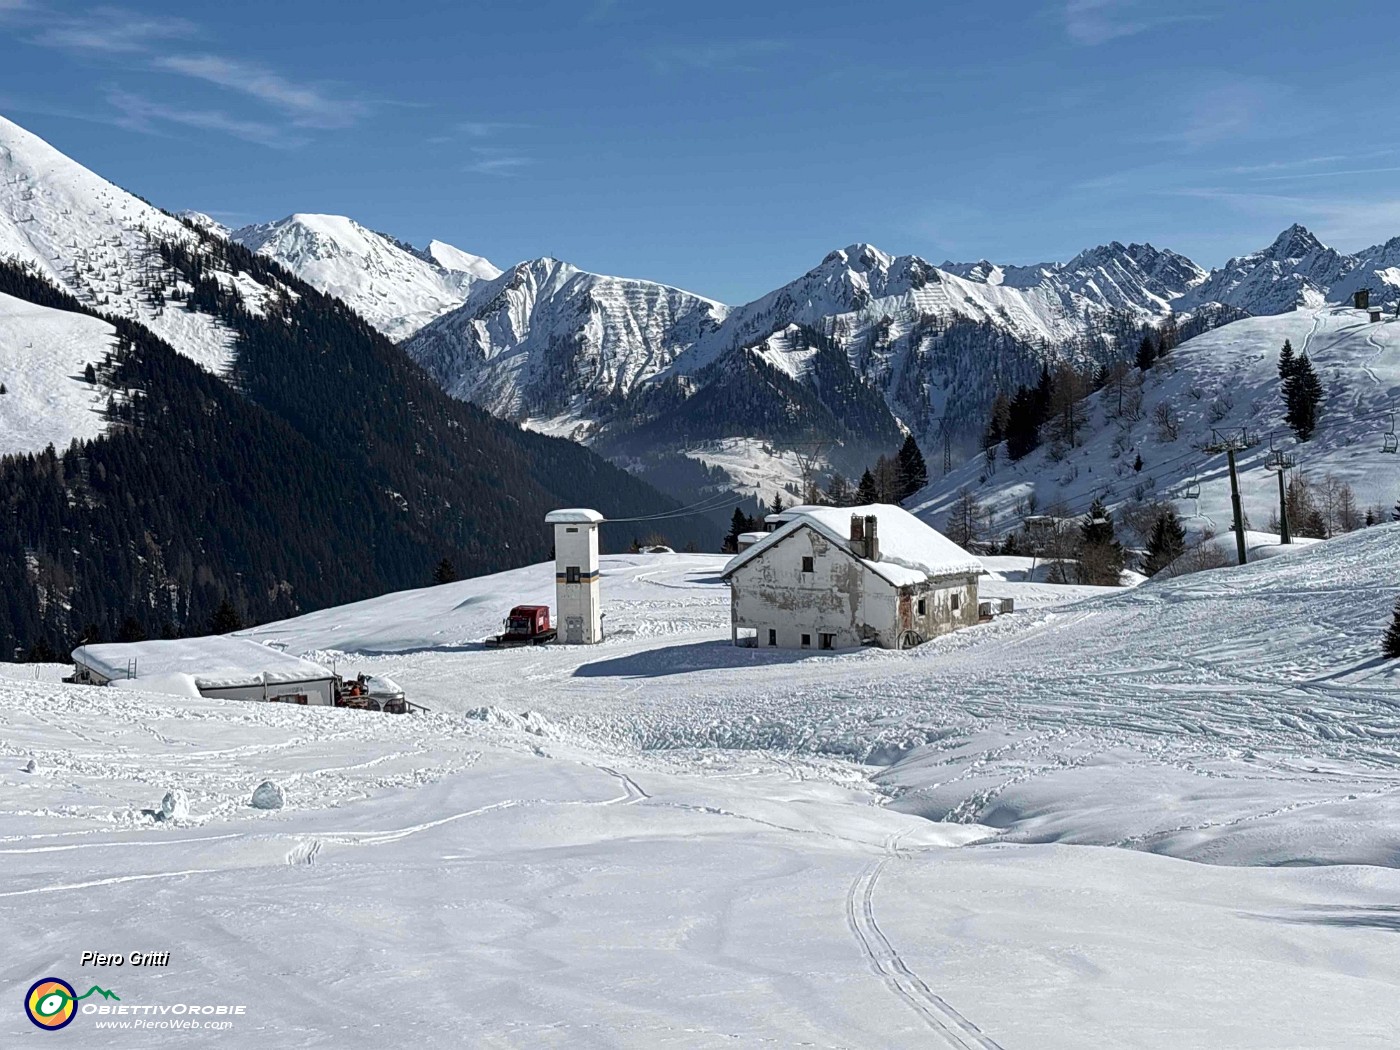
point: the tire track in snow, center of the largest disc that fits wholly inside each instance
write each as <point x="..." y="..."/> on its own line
<point x="886" y="962"/>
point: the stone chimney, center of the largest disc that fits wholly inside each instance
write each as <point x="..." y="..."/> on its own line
<point x="872" y="537"/>
<point x="858" y="535"/>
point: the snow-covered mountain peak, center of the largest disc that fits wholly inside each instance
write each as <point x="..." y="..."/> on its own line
<point x="393" y="285"/>
<point x="454" y="260"/>
<point x="1296" y="242"/>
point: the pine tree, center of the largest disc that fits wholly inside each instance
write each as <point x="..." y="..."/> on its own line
<point x="739" y="523"/>
<point x="866" y="493"/>
<point x="131" y="630"/>
<point x="1391" y="644"/>
<point x="1302" y="394"/>
<point x="1146" y="354"/>
<point x="1137" y="463"/>
<point x="89" y="373"/>
<point x="913" y="471"/>
<point x="965" y="520"/>
<point x="226" y="619"/>
<point x="1100" y="555"/>
<point x="1165" y="545"/>
<point x="1287" y="362"/>
<point x="777" y="503"/>
<point x="839" y="491"/>
<point x="1395" y="514"/>
<point x="445" y="572"/>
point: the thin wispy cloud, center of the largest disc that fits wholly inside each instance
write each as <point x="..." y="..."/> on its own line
<point x="1229" y="109"/>
<point x="496" y="160"/>
<point x="307" y="106"/>
<point x="734" y="56"/>
<point x="108" y="30"/>
<point x="122" y="39"/>
<point x="480" y="129"/>
<point x="1352" y="222"/>
<point x="138" y="113"/>
<point x="1092" y="22"/>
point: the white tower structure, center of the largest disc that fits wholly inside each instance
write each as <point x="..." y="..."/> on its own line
<point x="579" y="620"/>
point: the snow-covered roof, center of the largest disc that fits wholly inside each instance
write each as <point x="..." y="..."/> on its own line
<point x="573" y="516"/>
<point x="910" y="550"/>
<point x="752" y="537"/>
<point x="218" y="661"/>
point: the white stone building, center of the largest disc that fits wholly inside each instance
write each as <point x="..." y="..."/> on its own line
<point x="839" y="577"/>
<point x="579" y="619"/>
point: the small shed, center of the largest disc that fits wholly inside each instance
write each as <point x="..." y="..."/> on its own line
<point x="1375" y="313"/>
<point x="836" y="578"/>
<point x="1361" y="298"/>
<point x="745" y="540"/>
<point x="220" y="666"/>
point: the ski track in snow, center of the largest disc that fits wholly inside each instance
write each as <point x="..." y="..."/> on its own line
<point x="886" y="962"/>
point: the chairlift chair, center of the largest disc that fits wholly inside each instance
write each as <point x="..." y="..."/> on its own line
<point x="1390" y="441"/>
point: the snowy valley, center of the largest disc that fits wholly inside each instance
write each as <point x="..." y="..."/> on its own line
<point x="1076" y="825"/>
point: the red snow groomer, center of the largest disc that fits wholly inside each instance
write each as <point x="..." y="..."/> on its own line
<point x="526" y="625"/>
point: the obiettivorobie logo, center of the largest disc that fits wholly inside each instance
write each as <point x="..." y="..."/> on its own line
<point x="52" y="1003"/>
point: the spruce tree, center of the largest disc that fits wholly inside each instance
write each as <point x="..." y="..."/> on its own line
<point x="1146" y="354"/>
<point x="1302" y="394"/>
<point x="1395" y="514"/>
<point x="1100" y="554"/>
<point x="1287" y="362"/>
<point x="1165" y="545"/>
<point x="739" y="523"/>
<point x="777" y="503"/>
<point x="226" y="619"/>
<point x="867" y="493"/>
<point x="1390" y="646"/>
<point x="913" y="471"/>
<point x="445" y="572"/>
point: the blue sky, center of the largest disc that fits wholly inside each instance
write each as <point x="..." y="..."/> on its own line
<point x="727" y="147"/>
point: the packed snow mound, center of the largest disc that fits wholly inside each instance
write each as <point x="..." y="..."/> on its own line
<point x="457" y="617"/>
<point x="175" y="805"/>
<point x="44" y="354"/>
<point x="269" y="795"/>
<point x="394" y="287"/>
<point x="531" y="722"/>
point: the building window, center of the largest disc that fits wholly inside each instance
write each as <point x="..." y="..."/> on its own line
<point x="806" y="641"/>
<point x="772" y="636"/>
<point x="572" y="574"/>
<point x="956" y="601"/>
<point x="923" y="607"/>
<point x="828" y="641"/>
<point x="808" y="565"/>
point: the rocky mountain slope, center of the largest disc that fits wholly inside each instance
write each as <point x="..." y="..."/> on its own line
<point x="393" y="286"/>
<point x="1157" y="442"/>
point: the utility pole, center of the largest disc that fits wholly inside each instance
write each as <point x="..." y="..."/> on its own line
<point x="1235" y="503"/>
<point x="1285" y="537"/>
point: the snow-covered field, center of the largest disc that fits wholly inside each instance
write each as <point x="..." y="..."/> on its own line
<point x="1157" y="817"/>
<point x="42" y="356"/>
